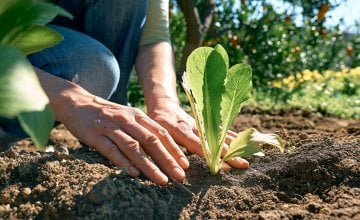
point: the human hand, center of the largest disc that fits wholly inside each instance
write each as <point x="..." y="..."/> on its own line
<point x="127" y="137"/>
<point x="182" y="128"/>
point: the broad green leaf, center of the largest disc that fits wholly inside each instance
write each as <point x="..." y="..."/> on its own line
<point x="42" y="13"/>
<point x="206" y="72"/>
<point x="237" y="90"/>
<point x="20" y="90"/>
<point x="10" y="16"/>
<point x="31" y="13"/>
<point x="220" y="49"/>
<point x="38" y="125"/>
<point x="213" y="88"/>
<point x="36" y="39"/>
<point x="199" y="124"/>
<point x="194" y="80"/>
<point x="247" y="143"/>
<point x="195" y="70"/>
<point x="5" y="4"/>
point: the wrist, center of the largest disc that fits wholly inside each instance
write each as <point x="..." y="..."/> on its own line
<point x="63" y="95"/>
<point x="154" y="103"/>
<point x="67" y="100"/>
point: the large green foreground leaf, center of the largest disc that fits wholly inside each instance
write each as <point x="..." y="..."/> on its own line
<point x="36" y="39"/>
<point x="20" y="90"/>
<point x="16" y="17"/>
<point x="38" y="125"/>
<point x="23" y="30"/>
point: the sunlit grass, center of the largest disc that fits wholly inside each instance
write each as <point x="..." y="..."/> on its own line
<point x="334" y="93"/>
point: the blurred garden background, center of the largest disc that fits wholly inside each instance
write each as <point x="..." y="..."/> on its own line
<point x="304" y="54"/>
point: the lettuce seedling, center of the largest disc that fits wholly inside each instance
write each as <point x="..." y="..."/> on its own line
<point x="216" y="94"/>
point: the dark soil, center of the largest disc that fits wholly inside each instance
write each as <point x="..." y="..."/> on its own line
<point x="318" y="177"/>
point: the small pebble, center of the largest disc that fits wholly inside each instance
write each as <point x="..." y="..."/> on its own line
<point x="303" y="136"/>
<point x="40" y="188"/>
<point x="25" y="191"/>
<point x="61" y="152"/>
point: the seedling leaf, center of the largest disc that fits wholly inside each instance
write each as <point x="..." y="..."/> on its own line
<point x="199" y="123"/>
<point x="206" y="73"/>
<point x="247" y="143"/>
<point x="221" y="50"/>
<point x="237" y="90"/>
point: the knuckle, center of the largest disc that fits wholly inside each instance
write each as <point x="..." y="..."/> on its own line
<point x="150" y="139"/>
<point x="159" y="118"/>
<point x="184" y="126"/>
<point x="123" y="115"/>
<point x="133" y="146"/>
<point x="169" y="160"/>
<point x="129" y="123"/>
<point x="110" y="150"/>
<point x="138" y="112"/>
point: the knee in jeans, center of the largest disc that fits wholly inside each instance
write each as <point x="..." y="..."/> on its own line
<point x="101" y="75"/>
<point x="80" y="59"/>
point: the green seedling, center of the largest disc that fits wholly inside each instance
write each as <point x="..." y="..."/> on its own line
<point x="216" y="94"/>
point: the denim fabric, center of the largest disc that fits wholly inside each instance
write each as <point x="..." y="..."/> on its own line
<point x="117" y="24"/>
<point x="80" y="59"/>
<point x="99" y="49"/>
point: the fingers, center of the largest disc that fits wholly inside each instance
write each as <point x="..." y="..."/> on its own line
<point x="231" y="133"/>
<point x="139" y="145"/>
<point x="111" y="152"/>
<point x="186" y="134"/>
<point x="165" y="139"/>
<point x="132" y="149"/>
<point x="225" y="167"/>
<point x="182" y="132"/>
<point x="237" y="162"/>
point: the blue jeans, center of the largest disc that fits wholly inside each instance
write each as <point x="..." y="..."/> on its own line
<point x="98" y="52"/>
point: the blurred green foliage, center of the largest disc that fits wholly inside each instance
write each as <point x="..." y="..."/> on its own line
<point x="272" y="42"/>
<point x="331" y="93"/>
<point x="279" y="49"/>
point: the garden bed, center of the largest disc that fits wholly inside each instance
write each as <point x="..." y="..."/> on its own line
<point x="318" y="177"/>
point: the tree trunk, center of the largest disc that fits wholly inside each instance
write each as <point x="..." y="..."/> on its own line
<point x="196" y="27"/>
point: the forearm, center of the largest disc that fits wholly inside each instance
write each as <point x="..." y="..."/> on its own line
<point x="156" y="73"/>
<point x="61" y="93"/>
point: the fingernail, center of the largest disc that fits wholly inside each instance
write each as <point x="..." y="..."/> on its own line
<point x="184" y="163"/>
<point x="244" y="163"/>
<point x="132" y="171"/>
<point x="178" y="174"/>
<point x="160" y="178"/>
<point x="239" y="163"/>
<point x="225" y="167"/>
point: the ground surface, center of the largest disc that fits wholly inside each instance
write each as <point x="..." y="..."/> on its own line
<point x="317" y="178"/>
